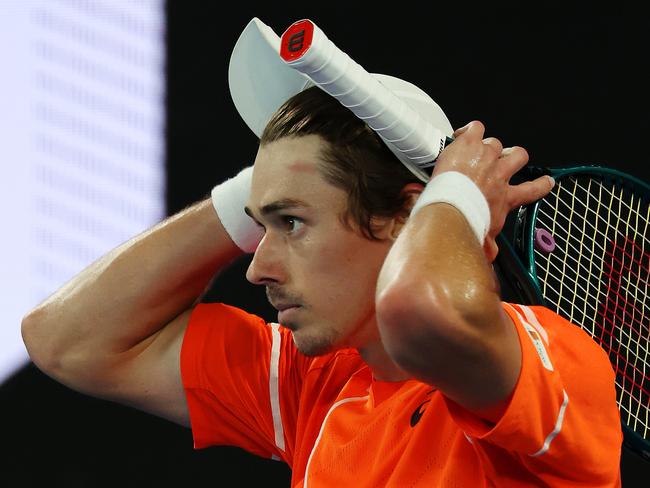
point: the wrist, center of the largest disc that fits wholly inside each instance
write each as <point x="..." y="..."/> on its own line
<point x="229" y="199"/>
<point x="461" y="192"/>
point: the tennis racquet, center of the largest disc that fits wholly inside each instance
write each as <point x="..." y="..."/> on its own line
<point x="584" y="252"/>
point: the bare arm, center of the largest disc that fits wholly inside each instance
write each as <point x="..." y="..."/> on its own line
<point x="438" y="303"/>
<point x="108" y="315"/>
<point x="440" y="313"/>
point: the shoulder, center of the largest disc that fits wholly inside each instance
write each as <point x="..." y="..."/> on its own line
<point x="565" y="387"/>
<point x="556" y="331"/>
<point x="215" y="324"/>
<point x="563" y="346"/>
<point x="208" y="314"/>
<point x="230" y="324"/>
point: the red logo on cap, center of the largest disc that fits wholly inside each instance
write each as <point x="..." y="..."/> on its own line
<point x="296" y="40"/>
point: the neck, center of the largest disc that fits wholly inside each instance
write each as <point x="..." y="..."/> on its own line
<point x="382" y="366"/>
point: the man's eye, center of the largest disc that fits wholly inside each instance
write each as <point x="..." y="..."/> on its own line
<point x="291" y="224"/>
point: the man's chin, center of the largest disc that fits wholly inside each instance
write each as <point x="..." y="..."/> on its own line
<point x="311" y="346"/>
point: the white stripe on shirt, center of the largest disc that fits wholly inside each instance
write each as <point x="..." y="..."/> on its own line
<point x="532" y="319"/>
<point x="556" y="431"/>
<point x="322" y="427"/>
<point x="536" y="339"/>
<point x="274" y="388"/>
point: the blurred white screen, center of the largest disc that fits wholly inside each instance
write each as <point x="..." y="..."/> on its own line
<point x="81" y="143"/>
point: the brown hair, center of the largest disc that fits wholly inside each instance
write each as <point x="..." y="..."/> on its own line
<point x="355" y="159"/>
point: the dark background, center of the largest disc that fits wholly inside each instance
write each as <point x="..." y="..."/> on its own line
<point x="568" y="85"/>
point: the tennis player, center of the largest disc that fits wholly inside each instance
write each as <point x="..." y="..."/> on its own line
<point x="394" y="361"/>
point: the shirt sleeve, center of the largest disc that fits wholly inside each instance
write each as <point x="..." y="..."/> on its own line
<point x="239" y="380"/>
<point x="562" y="420"/>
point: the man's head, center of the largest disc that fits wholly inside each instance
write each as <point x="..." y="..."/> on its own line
<point x="332" y="198"/>
<point x="353" y="158"/>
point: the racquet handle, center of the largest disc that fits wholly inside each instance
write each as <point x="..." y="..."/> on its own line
<point x="305" y="48"/>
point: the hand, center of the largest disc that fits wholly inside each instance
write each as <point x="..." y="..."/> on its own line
<point x="490" y="167"/>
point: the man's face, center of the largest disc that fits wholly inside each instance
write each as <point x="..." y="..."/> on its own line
<point x="320" y="274"/>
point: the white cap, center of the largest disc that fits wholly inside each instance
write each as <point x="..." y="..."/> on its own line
<point x="260" y="82"/>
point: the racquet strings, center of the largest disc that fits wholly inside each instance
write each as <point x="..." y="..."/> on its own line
<point x="597" y="278"/>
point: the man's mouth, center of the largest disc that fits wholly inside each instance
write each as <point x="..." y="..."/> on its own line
<point x="286" y="313"/>
<point x="280" y="307"/>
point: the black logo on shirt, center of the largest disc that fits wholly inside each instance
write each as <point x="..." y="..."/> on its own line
<point x="417" y="415"/>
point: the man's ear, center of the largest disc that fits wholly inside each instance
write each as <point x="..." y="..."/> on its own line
<point x="391" y="227"/>
<point x="412" y="192"/>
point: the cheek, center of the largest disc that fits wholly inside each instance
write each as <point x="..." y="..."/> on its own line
<point x="343" y="275"/>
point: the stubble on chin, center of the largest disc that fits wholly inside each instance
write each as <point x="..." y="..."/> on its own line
<point x="311" y="345"/>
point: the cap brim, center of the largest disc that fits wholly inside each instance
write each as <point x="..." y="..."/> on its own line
<point x="260" y="82"/>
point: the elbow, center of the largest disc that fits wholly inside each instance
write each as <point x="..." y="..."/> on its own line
<point x="33" y="330"/>
<point x="28" y="328"/>
<point x="410" y="316"/>
<point x="420" y="321"/>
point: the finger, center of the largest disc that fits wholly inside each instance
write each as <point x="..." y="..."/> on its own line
<point x="474" y="128"/>
<point x="461" y="130"/>
<point x="494" y="143"/>
<point x="512" y="160"/>
<point x="530" y="191"/>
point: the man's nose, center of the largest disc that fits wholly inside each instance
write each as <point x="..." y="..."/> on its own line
<point x="266" y="266"/>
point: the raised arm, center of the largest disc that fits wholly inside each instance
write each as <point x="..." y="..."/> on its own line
<point x="115" y="330"/>
<point x="438" y="304"/>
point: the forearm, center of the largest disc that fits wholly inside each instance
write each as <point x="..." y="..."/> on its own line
<point x="438" y="250"/>
<point x="134" y="290"/>
<point x="435" y="282"/>
<point x="438" y="305"/>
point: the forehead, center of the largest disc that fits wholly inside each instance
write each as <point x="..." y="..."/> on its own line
<point x="288" y="168"/>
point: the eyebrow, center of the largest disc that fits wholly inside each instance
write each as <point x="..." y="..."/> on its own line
<point x="278" y="205"/>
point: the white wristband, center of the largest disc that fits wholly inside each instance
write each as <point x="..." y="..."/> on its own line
<point x="458" y="190"/>
<point x="229" y="199"/>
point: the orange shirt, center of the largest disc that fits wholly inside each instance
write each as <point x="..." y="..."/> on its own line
<point x="247" y="385"/>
